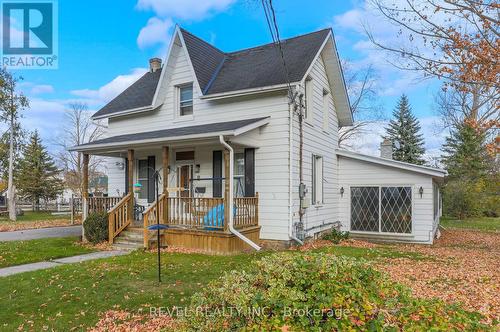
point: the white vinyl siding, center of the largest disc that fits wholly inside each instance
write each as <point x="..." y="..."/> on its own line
<point x="317" y="142"/>
<point x="272" y="140"/>
<point x="357" y="173"/>
<point x="326" y="110"/>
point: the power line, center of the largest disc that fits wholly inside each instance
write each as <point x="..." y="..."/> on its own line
<point x="275" y="35"/>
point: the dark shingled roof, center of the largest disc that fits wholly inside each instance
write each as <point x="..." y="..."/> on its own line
<point x="219" y="72"/>
<point x="205" y="58"/>
<point x="139" y="94"/>
<point x="176" y="132"/>
<point x="262" y="66"/>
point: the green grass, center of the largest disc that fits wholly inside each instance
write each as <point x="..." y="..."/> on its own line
<point x="482" y="224"/>
<point x="74" y="295"/>
<point x="23" y="252"/>
<point x="30" y="216"/>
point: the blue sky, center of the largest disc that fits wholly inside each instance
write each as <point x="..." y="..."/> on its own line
<point x="105" y="45"/>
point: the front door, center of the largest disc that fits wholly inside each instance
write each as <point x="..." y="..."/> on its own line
<point x="184" y="180"/>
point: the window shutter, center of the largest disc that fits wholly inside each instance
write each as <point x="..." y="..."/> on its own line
<point x="126" y="176"/>
<point x="151" y="179"/>
<point x="217" y="174"/>
<point x="313" y="180"/>
<point x="249" y="172"/>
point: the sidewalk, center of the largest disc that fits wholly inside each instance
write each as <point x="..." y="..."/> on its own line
<point x="11" y="270"/>
<point x="41" y="233"/>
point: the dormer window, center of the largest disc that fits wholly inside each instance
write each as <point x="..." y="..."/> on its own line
<point x="186" y="99"/>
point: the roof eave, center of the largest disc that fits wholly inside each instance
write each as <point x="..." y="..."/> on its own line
<point x="434" y="172"/>
<point x="245" y="92"/>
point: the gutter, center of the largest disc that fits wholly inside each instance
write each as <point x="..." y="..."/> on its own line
<point x="230" y="176"/>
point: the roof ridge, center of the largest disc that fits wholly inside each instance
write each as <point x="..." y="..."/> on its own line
<point x="204" y="41"/>
<point x="272" y="43"/>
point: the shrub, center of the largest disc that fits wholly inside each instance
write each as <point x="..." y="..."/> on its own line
<point x="316" y="292"/>
<point x="335" y="236"/>
<point x="96" y="227"/>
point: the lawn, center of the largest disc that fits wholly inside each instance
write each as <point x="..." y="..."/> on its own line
<point x="23" y="252"/>
<point x="32" y="219"/>
<point x="75" y="295"/>
<point x="482" y="224"/>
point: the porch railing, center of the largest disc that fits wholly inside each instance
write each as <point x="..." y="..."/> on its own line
<point x="120" y="216"/>
<point x="201" y="213"/>
<point x="101" y="204"/>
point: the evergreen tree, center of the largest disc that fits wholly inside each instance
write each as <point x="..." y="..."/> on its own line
<point x="404" y="128"/>
<point x="465" y="154"/>
<point x="37" y="177"/>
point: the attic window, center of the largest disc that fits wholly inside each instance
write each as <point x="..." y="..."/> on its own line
<point x="186" y="100"/>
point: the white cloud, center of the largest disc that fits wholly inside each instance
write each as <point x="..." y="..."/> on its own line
<point x="111" y="89"/>
<point x="184" y="9"/>
<point x="41" y="89"/>
<point x="155" y="32"/>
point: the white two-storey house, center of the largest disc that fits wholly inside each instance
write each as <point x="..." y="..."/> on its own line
<point x="244" y="154"/>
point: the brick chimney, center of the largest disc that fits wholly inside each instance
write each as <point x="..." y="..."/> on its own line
<point x="154" y="64"/>
<point x="386" y="149"/>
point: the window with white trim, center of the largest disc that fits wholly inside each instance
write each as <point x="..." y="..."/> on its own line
<point x="326" y="110"/>
<point x="317" y="180"/>
<point x="309" y="100"/>
<point x="185" y="93"/>
<point x="381" y="209"/>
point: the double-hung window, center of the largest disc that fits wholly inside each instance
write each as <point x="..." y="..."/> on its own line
<point x="185" y="99"/>
<point x="381" y="209"/>
<point x="317" y="180"/>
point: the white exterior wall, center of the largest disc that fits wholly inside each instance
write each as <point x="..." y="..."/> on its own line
<point x="317" y="142"/>
<point x="271" y="157"/>
<point x="360" y="173"/>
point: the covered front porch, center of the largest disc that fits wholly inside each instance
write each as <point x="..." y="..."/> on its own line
<point x="185" y="184"/>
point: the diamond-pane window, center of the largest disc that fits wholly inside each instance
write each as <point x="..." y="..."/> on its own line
<point x="395" y="206"/>
<point x="365" y="209"/>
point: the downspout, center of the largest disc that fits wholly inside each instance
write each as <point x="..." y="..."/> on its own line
<point x="291" y="106"/>
<point x="230" y="176"/>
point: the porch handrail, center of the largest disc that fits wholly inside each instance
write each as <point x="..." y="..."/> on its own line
<point x="149" y="217"/>
<point x="119" y="217"/>
<point x="101" y="204"/>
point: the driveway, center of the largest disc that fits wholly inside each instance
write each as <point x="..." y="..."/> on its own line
<point x="31" y="234"/>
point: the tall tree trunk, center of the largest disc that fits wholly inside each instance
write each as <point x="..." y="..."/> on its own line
<point x="11" y="187"/>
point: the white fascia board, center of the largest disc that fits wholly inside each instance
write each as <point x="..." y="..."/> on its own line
<point x="164" y="65"/>
<point x="126" y="112"/>
<point x="245" y="92"/>
<point x="235" y="132"/>
<point x="435" y="172"/>
<point x="150" y="141"/>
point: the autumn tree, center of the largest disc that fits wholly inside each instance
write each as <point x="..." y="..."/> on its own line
<point x="404" y="132"/>
<point x="365" y="108"/>
<point x="12" y="103"/>
<point x="456" y="41"/>
<point x="38" y="177"/>
<point x="78" y="129"/>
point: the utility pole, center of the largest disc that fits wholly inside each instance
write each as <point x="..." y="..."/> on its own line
<point x="11" y="188"/>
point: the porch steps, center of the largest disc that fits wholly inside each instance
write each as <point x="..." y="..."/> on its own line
<point x="129" y="239"/>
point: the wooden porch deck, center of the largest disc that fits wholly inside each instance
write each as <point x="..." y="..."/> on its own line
<point x="195" y="223"/>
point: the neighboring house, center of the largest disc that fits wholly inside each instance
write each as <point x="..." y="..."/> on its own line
<point x="206" y="114"/>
